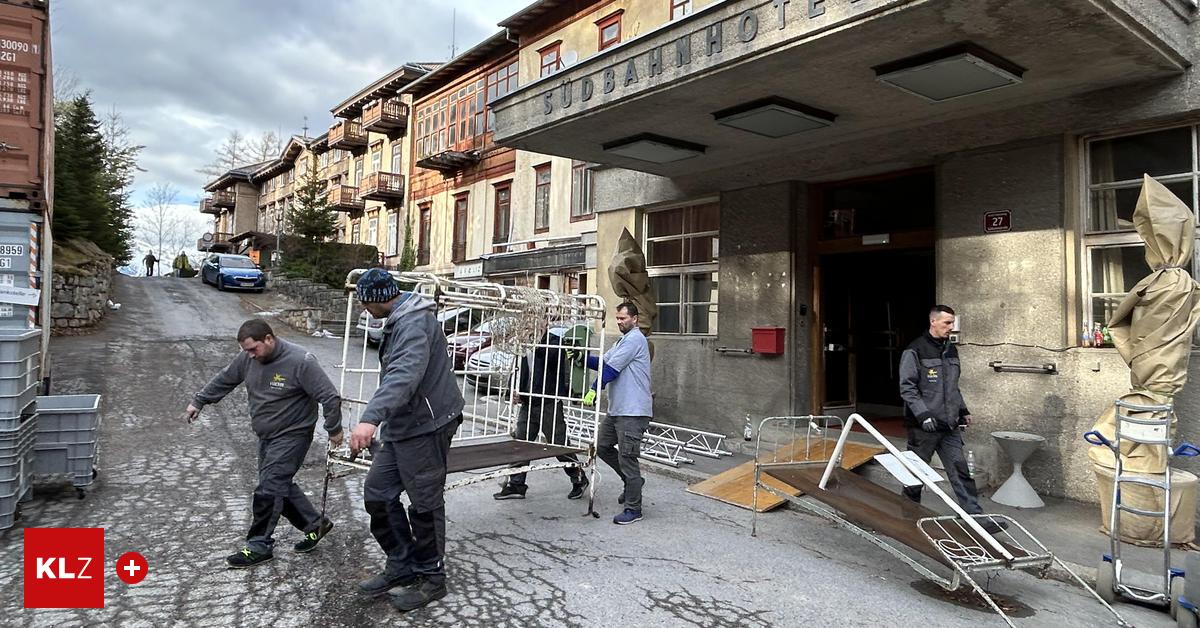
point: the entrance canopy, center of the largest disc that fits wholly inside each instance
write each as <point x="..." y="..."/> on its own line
<point x="735" y="90"/>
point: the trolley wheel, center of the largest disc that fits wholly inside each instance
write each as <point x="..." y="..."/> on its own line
<point x="1177" y="591"/>
<point x="1105" y="578"/>
<point x="1185" y="619"/>
<point x="80" y="493"/>
<point x="95" y="473"/>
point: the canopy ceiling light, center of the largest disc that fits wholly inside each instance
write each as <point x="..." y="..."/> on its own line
<point x="774" y="117"/>
<point x="654" y="148"/>
<point x="951" y="72"/>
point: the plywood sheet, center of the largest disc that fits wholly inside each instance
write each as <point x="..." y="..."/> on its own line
<point x="736" y="486"/>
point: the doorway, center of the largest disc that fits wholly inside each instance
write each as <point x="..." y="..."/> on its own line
<point x="875" y="272"/>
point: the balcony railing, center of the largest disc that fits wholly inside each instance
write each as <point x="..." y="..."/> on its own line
<point x="224" y="198"/>
<point x="207" y="207"/>
<point x="347" y="135"/>
<point x="382" y="186"/>
<point x="387" y="115"/>
<point x="344" y="198"/>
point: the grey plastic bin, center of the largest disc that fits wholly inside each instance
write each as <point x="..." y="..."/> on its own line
<point x="66" y="437"/>
<point x="16" y="468"/>
<point x="9" y="423"/>
<point x="19" y="344"/>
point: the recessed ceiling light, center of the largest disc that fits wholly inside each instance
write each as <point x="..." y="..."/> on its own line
<point x="654" y="148"/>
<point x="774" y="117"/>
<point x="952" y="72"/>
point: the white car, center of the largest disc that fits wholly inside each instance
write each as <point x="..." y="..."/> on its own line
<point x="490" y="369"/>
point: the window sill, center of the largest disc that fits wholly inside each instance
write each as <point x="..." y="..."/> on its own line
<point x="583" y="217"/>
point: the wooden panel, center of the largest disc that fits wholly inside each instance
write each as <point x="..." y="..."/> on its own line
<point x="736" y="486"/>
<point x="473" y="457"/>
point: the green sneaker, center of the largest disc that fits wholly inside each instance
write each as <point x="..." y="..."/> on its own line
<point x="247" y="558"/>
<point x="312" y="538"/>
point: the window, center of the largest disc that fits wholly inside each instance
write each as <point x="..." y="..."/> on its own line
<point x="581" y="191"/>
<point x="681" y="257"/>
<point x="323" y="160"/>
<point x="456" y="120"/>
<point x="1114" y="255"/>
<point x="423" y="233"/>
<point x="458" y="252"/>
<point x="680" y="8"/>
<point x="355" y="234"/>
<point x="358" y="171"/>
<point x="551" y="58"/>
<point x="609" y="30"/>
<point x="377" y="157"/>
<point x="397" y="157"/>
<point x="541" y="199"/>
<point x="373" y="230"/>
<point x="393" y="231"/>
<point x="503" y="213"/>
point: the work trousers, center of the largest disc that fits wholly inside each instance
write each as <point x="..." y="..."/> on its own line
<point x="543" y="416"/>
<point x="415" y="542"/>
<point x="279" y="459"/>
<point x="949" y="447"/>
<point x="620" y="443"/>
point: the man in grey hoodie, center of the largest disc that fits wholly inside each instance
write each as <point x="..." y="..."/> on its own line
<point x="416" y="410"/>
<point x="284" y="384"/>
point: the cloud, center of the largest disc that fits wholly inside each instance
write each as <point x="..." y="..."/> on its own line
<point x="185" y="74"/>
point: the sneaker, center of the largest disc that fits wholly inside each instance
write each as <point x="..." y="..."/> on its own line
<point x="629" y="516"/>
<point x="383" y="583"/>
<point x="247" y="558"/>
<point x="993" y="526"/>
<point x="312" y="538"/>
<point x="578" y="490"/>
<point x="418" y="594"/>
<point x="510" y="492"/>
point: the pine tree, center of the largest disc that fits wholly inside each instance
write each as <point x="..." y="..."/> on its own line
<point x="120" y="165"/>
<point x="310" y="217"/>
<point x="80" y="205"/>
<point x="408" y="256"/>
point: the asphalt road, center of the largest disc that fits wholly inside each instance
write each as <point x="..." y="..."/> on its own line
<point x="179" y="494"/>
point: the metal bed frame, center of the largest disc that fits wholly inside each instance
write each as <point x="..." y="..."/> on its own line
<point x="957" y="541"/>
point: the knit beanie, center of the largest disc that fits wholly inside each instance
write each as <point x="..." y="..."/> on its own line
<point x="376" y="286"/>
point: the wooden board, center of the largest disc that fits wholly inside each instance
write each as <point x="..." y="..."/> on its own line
<point x="736" y="486"/>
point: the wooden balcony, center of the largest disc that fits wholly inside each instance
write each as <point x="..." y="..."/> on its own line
<point x="207" y="207"/>
<point x="449" y="160"/>
<point x="215" y="243"/>
<point x="382" y="186"/>
<point x="348" y="135"/>
<point x="387" y="115"/>
<point x="224" y="198"/>
<point x="344" y="198"/>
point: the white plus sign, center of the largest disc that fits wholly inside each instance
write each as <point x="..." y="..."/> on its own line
<point x="132" y="568"/>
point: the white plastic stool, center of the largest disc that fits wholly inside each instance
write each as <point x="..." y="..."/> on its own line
<point x="1016" y="490"/>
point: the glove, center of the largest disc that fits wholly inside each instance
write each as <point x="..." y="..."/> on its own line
<point x="574" y="356"/>
<point x="929" y="425"/>
<point x="590" y="398"/>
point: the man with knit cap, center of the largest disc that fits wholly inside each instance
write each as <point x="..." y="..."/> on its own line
<point x="284" y="384"/>
<point x="414" y="414"/>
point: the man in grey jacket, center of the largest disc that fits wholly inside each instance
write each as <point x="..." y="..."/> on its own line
<point x="934" y="410"/>
<point x="284" y="384"/>
<point x="416" y="410"/>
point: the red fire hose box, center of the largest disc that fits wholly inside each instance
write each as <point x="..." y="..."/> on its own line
<point x="767" y="340"/>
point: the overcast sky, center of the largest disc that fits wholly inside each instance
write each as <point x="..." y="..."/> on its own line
<point x="183" y="74"/>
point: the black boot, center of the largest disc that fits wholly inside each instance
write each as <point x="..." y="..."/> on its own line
<point x="383" y="583"/>
<point x="418" y="594"/>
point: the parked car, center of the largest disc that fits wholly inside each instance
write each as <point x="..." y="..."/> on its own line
<point x="465" y="343"/>
<point x="233" y="272"/>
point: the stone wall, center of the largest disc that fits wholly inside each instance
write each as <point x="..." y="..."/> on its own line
<point x="322" y="307"/>
<point x="81" y="284"/>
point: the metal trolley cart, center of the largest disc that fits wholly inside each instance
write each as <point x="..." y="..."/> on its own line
<point x="958" y="541"/>
<point x="1146" y="425"/>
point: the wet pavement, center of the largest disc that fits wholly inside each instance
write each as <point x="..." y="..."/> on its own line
<point x="179" y="494"/>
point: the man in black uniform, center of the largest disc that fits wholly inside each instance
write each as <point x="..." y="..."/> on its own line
<point x="934" y="410"/>
<point x="416" y="409"/>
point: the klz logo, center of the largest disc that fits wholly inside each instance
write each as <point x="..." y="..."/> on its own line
<point x="64" y="568"/>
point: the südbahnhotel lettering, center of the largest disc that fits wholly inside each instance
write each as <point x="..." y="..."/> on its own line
<point x="708" y="41"/>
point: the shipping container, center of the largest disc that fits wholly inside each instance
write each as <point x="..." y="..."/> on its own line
<point x="23" y="100"/>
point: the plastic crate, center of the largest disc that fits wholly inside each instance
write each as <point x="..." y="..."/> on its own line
<point x="76" y="460"/>
<point x="64" y="419"/>
<point x="22" y="366"/>
<point x="19" y="344"/>
<point x="11" y="438"/>
<point x="10" y="423"/>
<point x="13" y="405"/>
<point x="15" y="459"/>
<point x="17" y="385"/>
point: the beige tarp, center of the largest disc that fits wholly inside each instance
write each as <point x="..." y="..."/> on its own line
<point x="1152" y="327"/>
<point x="627" y="271"/>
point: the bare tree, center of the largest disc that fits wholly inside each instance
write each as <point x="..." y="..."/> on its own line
<point x="266" y="147"/>
<point x="159" y="224"/>
<point x="232" y="153"/>
<point x="66" y="85"/>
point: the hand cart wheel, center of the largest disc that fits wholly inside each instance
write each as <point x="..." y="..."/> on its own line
<point x="1177" y="591"/>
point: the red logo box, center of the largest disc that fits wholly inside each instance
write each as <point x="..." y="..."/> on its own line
<point x="64" y="568"/>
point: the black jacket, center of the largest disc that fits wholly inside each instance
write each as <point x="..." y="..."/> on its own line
<point x="929" y="372"/>
<point x="547" y="372"/>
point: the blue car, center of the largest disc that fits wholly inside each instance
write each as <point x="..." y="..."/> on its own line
<point x="233" y="272"/>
